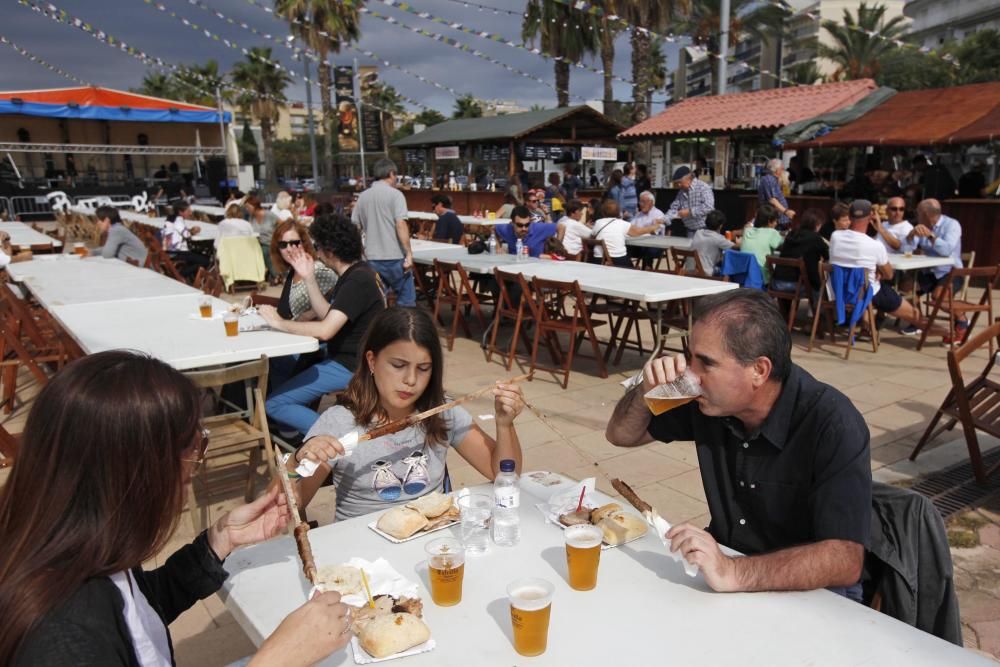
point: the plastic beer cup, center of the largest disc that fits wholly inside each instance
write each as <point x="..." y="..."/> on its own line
<point x="205" y="306"/>
<point x="446" y="569"/>
<point x="668" y="396"/>
<point x="583" y="555"/>
<point x="232" y="322"/>
<point x="530" y="610"/>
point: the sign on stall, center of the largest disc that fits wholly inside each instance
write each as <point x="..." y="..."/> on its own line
<point x="599" y="153"/>
<point x="446" y="153"/>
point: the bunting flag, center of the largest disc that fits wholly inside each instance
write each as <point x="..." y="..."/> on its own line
<point x="39" y="61"/>
<point x="287" y="43"/>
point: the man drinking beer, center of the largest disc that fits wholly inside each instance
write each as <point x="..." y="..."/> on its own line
<point x="784" y="458"/>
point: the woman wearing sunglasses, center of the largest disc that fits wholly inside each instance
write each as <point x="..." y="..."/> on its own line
<point x="401" y="374"/>
<point x="291" y="245"/>
<point x="100" y="482"/>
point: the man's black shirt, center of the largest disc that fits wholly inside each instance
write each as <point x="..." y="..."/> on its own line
<point x="805" y="476"/>
<point x="449" y="227"/>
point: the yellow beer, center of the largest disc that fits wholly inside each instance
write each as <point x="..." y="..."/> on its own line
<point x="232" y="327"/>
<point x="583" y="555"/>
<point x="446" y="569"/>
<point x="659" y="405"/>
<point x="446" y="580"/>
<point x="206" y="310"/>
<point x="530" y="609"/>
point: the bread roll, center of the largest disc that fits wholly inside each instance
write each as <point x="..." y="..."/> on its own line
<point x="432" y="505"/>
<point x="621" y="527"/>
<point x="393" y="633"/>
<point x="401" y="522"/>
<point x="603" y="511"/>
<point x="345" y="579"/>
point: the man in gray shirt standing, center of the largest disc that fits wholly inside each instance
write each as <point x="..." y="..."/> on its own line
<point x="381" y="213"/>
<point x="121" y="243"/>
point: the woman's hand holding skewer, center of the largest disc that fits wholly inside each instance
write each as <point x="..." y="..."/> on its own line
<point x="508" y="402"/>
<point x="254" y="522"/>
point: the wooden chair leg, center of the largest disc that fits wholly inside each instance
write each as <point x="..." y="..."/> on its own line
<point x="493" y="336"/>
<point x="928" y="432"/>
<point x="816" y="316"/>
<point x="512" y="352"/>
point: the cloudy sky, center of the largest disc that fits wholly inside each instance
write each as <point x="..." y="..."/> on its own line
<point x="160" y="35"/>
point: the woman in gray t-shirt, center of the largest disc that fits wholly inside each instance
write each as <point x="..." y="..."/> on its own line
<point x="401" y="374"/>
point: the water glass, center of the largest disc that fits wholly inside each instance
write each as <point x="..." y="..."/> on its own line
<point x="476" y="510"/>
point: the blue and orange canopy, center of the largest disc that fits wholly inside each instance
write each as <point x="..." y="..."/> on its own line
<point x="92" y="103"/>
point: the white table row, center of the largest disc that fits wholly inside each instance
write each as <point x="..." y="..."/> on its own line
<point x="170" y="328"/>
<point x="214" y="211"/>
<point x="645" y="610"/>
<point x="60" y="280"/>
<point x="207" y="230"/>
<point x="105" y="304"/>
<point x="23" y="237"/>
<point x="901" y="262"/>
<point x="661" y="242"/>
<point x="464" y="219"/>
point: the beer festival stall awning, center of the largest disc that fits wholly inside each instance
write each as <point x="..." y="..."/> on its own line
<point x="68" y="120"/>
<point x="545" y="134"/>
<point x="940" y="116"/>
<point x="758" y="112"/>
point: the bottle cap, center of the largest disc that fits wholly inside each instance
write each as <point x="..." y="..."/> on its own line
<point x="507" y="465"/>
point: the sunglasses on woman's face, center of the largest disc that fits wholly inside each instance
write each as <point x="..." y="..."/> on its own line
<point x="895" y="208"/>
<point x="284" y="244"/>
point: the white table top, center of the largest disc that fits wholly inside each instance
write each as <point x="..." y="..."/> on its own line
<point x="67" y="279"/>
<point x="663" y="242"/>
<point x="22" y="236"/>
<point x="644" y="286"/>
<point x="165" y="328"/>
<point x="217" y="211"/>
<point x="465" y="219"/>
<point x="903" y="263"/>
<point x="645" y="610"/>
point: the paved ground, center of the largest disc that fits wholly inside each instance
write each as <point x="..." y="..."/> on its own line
<point x="897" y="389"/>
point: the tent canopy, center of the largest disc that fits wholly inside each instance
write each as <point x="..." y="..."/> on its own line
<point x="958" y="115"/>
<point x="758" y="111"/>
<point x="93" y="103"/>
<point x="587" y="124"/>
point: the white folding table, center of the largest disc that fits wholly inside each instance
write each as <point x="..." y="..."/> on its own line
<point x="661" y="242"/>
<point x="645" y="610"/>
<point x="170" y="328"/>
<point x="23" y="237"/>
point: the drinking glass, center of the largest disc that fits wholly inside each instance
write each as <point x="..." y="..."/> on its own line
<point x="232" y="322"/>
<point x="476" y="511"/>
<point x="205" y="306"/>
<point x="583" y="555"/>
<point x="668" y="396"/>
<point x="530" y="610"/>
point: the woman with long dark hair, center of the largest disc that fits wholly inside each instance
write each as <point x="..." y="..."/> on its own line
<point x="100" y="481"/>
<point x="402" y="373"/>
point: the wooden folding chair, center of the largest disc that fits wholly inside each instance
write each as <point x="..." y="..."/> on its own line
<point x="158" y="260"/>
<point x="209" y="281"/>
<point x="826" y="306"/>
<point x="588" y="254"/>
<point x="801" y="290"/>
<point x="234" y="431"/>
<point x="515" y="302"/>
<point x="9" y="445"/>
<point x="968" y="262"/>
<point x="455" y="290"/>
<point x="688" y="263"/>
<point x="947" y="303"/>
<point x="976" y="405"/>
<point x="555" y="317"/>
<point x="42" y="248"/>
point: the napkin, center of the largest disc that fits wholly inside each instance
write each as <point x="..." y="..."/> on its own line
<point x="661" y="526"/>
<point x="566" y="500"/>
<point x="307" y="468"/>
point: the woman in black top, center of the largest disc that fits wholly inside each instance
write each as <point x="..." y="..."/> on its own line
<point x="108" y="451"/>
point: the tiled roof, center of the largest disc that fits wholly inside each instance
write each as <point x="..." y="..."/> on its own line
<point x="962" y="114"/>
<point x="759" y="110"/>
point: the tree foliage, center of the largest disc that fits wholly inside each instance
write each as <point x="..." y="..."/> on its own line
<point x="861" y="41"/>
<point x="467" y="106"/>
<point x="565" y="33"/>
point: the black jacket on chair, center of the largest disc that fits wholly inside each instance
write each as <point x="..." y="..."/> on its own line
<point x="909" y="563"/>
<point x="89" y="628"/>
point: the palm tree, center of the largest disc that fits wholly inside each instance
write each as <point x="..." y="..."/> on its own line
<point x="861" y="41"/>
<point x="805" y="73"/>
<point x="324" y="25"/>
<point x="747" y="19"/>
<point x="563" y="35"/>
<point x="607" y="32"/>
<point x="265" y="84"/>
<point x="467" y="106"/>
<point x="158" y="84"/>
<point x="197" y="84"/>
<point x="658" y="74"/>
<point x="654" y="15"/>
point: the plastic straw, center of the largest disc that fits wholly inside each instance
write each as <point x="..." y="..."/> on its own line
<point x="579" y="505"/>
<point x="368" y="591"/>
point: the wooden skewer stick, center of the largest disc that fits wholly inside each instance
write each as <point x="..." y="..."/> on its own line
<point x="301" y="531"/>
<point x="400" y="424"/>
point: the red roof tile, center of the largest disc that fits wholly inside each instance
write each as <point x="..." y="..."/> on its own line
<point x="759" y="110"/>
<point x="961" y="114"/>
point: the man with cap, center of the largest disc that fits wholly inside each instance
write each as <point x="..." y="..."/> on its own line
<point x="852" y="248"/>
<point x="694" y="201"/>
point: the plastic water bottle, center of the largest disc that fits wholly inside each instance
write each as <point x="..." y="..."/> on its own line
<point x="493" y="244"/>
<point x="507" y="510"/>
<point x="518" y="250"/>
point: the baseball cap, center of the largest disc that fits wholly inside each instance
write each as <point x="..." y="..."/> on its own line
<point x="861" y="208"/>
<point x="681" y="172"/>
